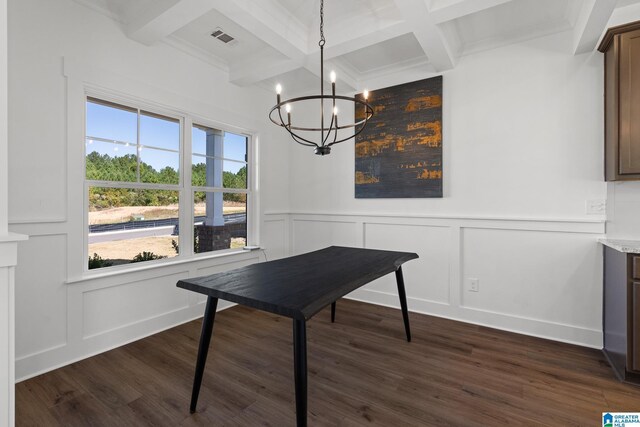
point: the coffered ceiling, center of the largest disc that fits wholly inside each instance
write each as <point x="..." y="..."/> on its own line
<point x="277" y="40"/>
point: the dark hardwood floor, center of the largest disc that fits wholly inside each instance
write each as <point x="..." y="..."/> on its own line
<point x="361" y="372"/>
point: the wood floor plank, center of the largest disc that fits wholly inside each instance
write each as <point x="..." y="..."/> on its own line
<point x="362" y="372"/>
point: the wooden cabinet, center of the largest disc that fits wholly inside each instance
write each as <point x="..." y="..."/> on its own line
<point x="621" y="47"/>
<point x="621" y="313"/>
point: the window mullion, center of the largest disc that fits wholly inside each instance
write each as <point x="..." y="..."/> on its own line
<point x="186" y="199"/>
<point x="138" y="148"/>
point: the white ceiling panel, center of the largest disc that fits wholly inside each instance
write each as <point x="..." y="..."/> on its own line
<point x="126" y="9"/>
<point x="245" y="45"/>
<point x="513" y="21"/>
<point x="335" y="11"/>
<point x="623" y="3"/>
<point x="382" y="55"/>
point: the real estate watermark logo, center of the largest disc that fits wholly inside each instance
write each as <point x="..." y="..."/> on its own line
<point x="620" y="419"/>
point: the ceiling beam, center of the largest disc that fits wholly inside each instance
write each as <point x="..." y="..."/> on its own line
<point x="449" y="10"/>
<point x="429" y="35"/>
<point x="163" y="18"/>
<point x="591" y="23"/>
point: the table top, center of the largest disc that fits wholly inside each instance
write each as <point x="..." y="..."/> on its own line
<point x="302" y="285"/>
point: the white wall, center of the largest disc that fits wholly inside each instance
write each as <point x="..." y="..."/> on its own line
<point x="55" y="50"/>
<point x="7" y="250"/>
<point x="523" y="143"/>
<point x="623" y="210"/>
<point x="3" y="119"/>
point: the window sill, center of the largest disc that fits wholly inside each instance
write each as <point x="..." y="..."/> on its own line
<point x="240" y="254"/>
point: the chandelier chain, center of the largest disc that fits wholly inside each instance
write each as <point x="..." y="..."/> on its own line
<point x="322" y="40"/>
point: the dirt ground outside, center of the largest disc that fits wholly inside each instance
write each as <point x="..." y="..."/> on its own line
<point x="128" y="249"/>
<point x="126" y="213"/>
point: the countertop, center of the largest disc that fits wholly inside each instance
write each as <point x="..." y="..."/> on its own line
<point x="627" y="246"/>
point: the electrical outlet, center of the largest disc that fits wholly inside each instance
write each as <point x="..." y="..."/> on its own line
<point x="473" y="284"/>
<point x="596" y="207"/>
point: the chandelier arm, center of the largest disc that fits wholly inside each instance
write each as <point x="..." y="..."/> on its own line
<point x="330" y="129"/>
<point x="368" y="115"/>
<point x="306" y="144"/>
<point x="293" y="135"/>
<point x="297" y="138"/>
<point x="301" y="140"/>
<point x="358" y="132"/>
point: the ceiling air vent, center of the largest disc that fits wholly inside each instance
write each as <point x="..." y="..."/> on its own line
<point x="225" y="38"/>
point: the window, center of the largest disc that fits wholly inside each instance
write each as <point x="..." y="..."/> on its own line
<point x="219" y="178"/>
<point x="136" y="190"/>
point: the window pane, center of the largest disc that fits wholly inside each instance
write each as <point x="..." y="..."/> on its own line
<point x="207" y="141"/>
<point x="159" y="131"/>
<point x="235" y="175"/>
<point x="131" y="225"/>
<point x="220" y="221"/>
<point x="159" y="166"/>
<point x="107" y="161"/>
<point x="199" y="139"/>
<point x="112" y="122"/>
<point x="235" y="146"/>
<point x="199" y="171"/>
<point x="215" y="172"/>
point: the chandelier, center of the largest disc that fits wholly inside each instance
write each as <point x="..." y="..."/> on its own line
<point x="326" y="135"/>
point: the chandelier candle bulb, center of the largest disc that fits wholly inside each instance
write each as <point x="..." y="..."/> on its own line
<point x="365" y="94"/>
<point x="288" y="108"/>
<point x="278" y="92"/>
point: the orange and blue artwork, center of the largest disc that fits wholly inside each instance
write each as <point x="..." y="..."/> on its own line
<point x="399" y="153"/>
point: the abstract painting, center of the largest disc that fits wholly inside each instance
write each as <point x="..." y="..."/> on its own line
<point x="399" y="154"/>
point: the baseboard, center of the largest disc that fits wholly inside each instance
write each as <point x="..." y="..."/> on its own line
<point x="570" y="334"/>
<point x="39" y="363"/>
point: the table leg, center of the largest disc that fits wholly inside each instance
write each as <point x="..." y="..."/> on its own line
<point x="203" y="349"/>
<point x="300" y="370"/>
<point x="333" y="312"/>
<point x="403" y="302"/>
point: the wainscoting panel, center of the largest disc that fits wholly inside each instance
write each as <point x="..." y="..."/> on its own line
<point x="43" y="296"/>
<point x="117" y="306"/>
<point x="429" y="274"/>
<point x="274" y="238"/>
<point x="541" y="277"/>
<point x="556" y="277"/>
<point x="59" y="323"/>
<point x="310" y="234"/>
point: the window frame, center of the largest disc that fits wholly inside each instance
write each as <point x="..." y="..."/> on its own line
<point x="184" y="188"/>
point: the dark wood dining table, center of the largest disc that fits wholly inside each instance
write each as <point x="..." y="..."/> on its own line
<point x="297" y="287"/>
